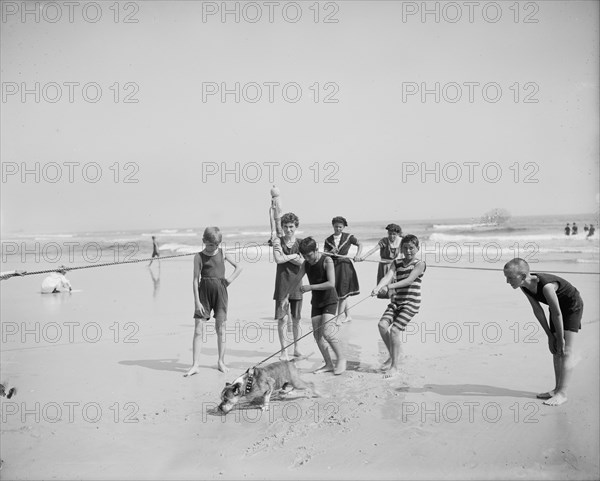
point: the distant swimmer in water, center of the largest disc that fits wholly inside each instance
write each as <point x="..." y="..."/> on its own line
<point x="568" y="229"/>
<point x="155" y="252"/>
<point x="56" y="282"/>
<point x="574" y="229"/>
<point x="591" y="231"/>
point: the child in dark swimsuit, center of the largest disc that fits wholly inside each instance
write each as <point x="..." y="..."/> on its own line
<point x="210" y="294"/>
<point x="566" y="309"/>
<point x="321" y="275"/>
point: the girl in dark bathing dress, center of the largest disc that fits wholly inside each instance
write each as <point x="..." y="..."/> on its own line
<point x="389" y="248"/>
<point x="346" y="280"/>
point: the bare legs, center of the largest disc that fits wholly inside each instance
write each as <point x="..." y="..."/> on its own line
<point x="391" y="339"/>
<point x="343" y="312"/>
<point x="563" y="368"/>
<point x="326" y="335"/>
<point x="282" y="329"/>
<point x="197" y="346"/>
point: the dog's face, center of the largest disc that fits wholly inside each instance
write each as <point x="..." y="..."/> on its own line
<point x="230" y="396"/>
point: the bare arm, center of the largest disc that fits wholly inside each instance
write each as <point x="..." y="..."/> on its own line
<point x="237" y="270"/>
<point x="385" y="280"/>
<point x="281" y="258"/>
<point x="360" y="248"/>
<point x="196" y="280"/>
<point x="329" y="284"/>
<point x="540" y="315"/>
<point x="556" y="316"/>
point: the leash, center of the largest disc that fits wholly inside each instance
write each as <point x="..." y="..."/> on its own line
<point x="309" y="332"/>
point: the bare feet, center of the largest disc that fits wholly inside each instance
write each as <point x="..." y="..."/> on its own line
<point x="545" y="395"/>
<point x="347" y="319"/>
<point x="297" y="353"/>
<point x="390" y="373"/>
<point x="222" y="367"/>
<point x="387" y="364"/>
<point x="340" y="367"/>
<point x="556" y="400"/>
<point x="193" y="370"/>
<point x="324" y="368"/>
<point x="284" y="356"/>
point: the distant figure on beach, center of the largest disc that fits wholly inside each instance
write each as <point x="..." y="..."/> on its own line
<point x="591" y="231"/>
<point x="568" y="229"/>
<point x="155" y="252"/>
<point x="574" y="229"/>
<point x="288" y="280"/>
<point x="210" y="294"/>
<point x="346" y="281"/>
<point x="389" y="249"/>
<point x="320" y="271"/>
<point x="9" y="274"/>
<point x="585" y="228"/>
<point x="404" y="278"/>
<point x="566" y="309"/>
<point x="56" y="282"/>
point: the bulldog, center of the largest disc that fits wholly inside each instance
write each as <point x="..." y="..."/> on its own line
<point x="258" y="383"/>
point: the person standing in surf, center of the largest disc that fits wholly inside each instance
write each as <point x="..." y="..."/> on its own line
<point x="155" y="252"/>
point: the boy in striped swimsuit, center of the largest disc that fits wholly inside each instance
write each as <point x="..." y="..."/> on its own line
<point x="406" y="299"/>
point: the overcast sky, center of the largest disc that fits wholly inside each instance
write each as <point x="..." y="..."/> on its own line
<point x="342" y="112"/>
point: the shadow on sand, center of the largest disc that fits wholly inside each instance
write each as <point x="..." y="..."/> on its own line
<point x="468" y="390"/>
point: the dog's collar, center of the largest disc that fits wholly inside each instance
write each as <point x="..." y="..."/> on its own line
<point x="249" y="379"/>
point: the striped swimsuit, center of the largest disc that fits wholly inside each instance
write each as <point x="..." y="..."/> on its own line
<point x="405" y="300"/>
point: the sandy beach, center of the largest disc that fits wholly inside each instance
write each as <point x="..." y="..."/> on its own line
<point x="101" y="393"/>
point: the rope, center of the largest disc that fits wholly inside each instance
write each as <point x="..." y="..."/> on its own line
<point x="382" y="261"/>
<point x="67" y="269"/>
<point x="462" y="267"/>
<point x="501" y="270"/>
<point x="47" y="271"/>
<point x="310" y="332"/>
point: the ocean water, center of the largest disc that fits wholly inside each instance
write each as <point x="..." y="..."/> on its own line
<point x="447" y="242"/>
